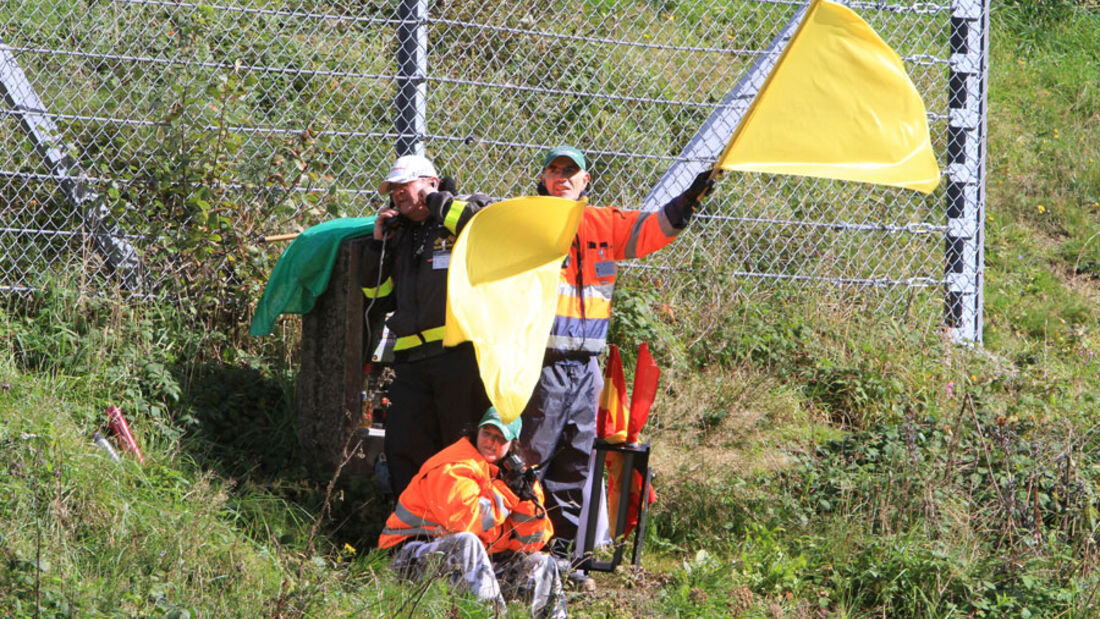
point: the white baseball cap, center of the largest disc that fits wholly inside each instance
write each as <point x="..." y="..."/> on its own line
<point x="406" y="169"/>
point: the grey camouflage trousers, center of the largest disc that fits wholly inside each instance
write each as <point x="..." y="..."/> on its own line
<point x="531" y="578"/>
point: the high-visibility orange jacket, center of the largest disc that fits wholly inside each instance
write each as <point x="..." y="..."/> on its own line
<point x="606" y="234"/>
<point x="457" y="490"/>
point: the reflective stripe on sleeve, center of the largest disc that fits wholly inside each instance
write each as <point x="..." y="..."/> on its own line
<point x="631" y="249"/>
<point x="408" y="518"/>
<point x="450" y="220"/>
<point x="499" y="498"/>
<point x="486" y="507"/>
<point x="518" y="517"/>
<point x="666" y="225"/>
<point x="534" y="538"/>
<point x="382" y="291"/>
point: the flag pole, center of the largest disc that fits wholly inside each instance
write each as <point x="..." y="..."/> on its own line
<point x="716" y="170"/>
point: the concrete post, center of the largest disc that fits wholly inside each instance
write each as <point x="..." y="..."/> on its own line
<point x="331" y="377"/>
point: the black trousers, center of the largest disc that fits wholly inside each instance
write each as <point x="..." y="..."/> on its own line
<point x="433" y="402"/>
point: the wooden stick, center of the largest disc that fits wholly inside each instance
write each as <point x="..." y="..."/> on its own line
<point x="278" y="237"/>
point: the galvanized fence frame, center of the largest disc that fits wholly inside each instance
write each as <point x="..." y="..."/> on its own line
<point x="146" y="138"/>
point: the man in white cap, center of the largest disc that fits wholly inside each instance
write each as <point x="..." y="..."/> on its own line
<point x="437" y="393"/>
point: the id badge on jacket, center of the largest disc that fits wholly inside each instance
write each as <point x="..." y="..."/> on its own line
<point x="441" y="253"/>
<point x="441" y="260"/>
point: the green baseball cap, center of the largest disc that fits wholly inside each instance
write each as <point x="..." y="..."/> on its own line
<point x="565" y="151"/>
<point x="510" y="431"/>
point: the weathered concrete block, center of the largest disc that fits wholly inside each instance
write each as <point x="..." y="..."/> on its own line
<point x="331" y="376"/>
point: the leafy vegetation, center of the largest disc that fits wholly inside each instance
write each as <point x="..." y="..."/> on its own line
<point x="814" y="457"/>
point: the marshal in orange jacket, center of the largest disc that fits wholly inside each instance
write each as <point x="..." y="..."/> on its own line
<point x="457" y="490"/>
<point x="606" y="235"/>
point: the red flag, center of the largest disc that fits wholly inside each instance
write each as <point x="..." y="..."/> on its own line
<point x="611" y="421"/>
<point x="646" y="374"/>
<point x="122" y="430"/>
<point x="614" y="464"/>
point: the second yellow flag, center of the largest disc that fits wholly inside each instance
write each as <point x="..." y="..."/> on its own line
<point x="502" y="291"/>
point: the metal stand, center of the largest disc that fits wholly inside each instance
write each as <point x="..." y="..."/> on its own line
<point x="635" y="458"/>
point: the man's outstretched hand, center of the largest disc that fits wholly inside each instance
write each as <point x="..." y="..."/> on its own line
<point x="700" y="187"/>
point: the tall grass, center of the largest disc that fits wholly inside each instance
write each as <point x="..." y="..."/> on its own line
<point x="222" y="519"/>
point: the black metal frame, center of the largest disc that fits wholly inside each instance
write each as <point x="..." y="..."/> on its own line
<point x="636" y="459"/>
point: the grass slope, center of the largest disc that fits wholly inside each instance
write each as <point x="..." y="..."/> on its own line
<point x="813" y="459"/>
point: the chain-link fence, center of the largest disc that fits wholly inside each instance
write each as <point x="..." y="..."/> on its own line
<point x="150" y="142"/>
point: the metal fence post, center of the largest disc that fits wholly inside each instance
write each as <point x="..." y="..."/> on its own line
<point x="412" y="73"/>
<point x="966" y="153"/>
<point x="46" y="137"/>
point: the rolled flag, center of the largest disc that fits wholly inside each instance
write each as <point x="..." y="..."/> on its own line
<point x="611" y="418"/>
<point x="121" y="430"/>
<point x="646" y="375"/>
<point x="104" y="444"/>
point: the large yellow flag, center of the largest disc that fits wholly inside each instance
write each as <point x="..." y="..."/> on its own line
<point x="502" y="291"/>
<point x="837" y="104"/>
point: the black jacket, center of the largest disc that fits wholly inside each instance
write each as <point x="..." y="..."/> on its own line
<point x="408" y="271"/>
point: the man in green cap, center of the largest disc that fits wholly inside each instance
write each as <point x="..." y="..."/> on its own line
<point x="564" y="173"/>
<point x="559" y="422"/>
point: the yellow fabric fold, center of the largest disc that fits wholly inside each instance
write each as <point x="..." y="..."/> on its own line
<point x="838" y="104"/>
<point x="502" y="291"/>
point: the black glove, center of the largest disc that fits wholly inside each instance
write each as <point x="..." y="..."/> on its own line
<point x="438" y="202"/>
<point x="680" y="209"/>
<point x="701" y="186"/>
<point x="519" y="478"/>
